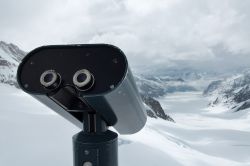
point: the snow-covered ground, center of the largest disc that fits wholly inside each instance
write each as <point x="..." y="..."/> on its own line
<point x="31" y="134"/>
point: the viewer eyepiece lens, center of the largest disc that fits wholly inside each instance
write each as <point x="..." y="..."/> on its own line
<point x="83" y="79"/>
<point x="50" y="79"/>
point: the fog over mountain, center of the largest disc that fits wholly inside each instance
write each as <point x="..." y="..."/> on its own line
<point x="205" y="35"/>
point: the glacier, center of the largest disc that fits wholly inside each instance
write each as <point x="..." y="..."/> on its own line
<point x="32" y="134"/>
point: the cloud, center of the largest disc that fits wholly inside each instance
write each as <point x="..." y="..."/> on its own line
<point x="179" y="33"/>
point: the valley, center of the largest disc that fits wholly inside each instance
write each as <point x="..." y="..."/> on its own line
<point x="198" y="136"/>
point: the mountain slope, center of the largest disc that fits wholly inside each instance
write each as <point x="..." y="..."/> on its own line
<point x="10" y="57"/>
<point x="154" y="108"/>
<point x="232" y="92"/>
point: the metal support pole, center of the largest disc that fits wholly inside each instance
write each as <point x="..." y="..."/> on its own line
<point x="95" y="145"/>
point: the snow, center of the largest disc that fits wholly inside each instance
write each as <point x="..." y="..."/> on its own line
<point x="7" y="57"/>
<point x="230" y="94"/>
<point x="7" y="73"/>
<point x="11" y="52"/>
<point x="31" y="134"/>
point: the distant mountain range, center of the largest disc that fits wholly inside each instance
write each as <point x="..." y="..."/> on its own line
<point x="232" y="92"/>
<point x="156" y="86"/>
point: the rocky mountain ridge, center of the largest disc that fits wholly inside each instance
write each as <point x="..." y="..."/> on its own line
<point x="232" y="92"/>
<point x="10" y="57"/>
<point x="153" y="86"/>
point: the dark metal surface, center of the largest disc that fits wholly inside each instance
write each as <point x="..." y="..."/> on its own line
<point x="95" y="149"/>
<point x="114" y="94"/>
<point x="67" y="60"/>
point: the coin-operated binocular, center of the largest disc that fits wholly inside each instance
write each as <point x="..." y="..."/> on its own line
<point x="91" y="86"/>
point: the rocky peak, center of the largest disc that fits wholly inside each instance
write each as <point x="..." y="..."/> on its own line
<point x="12" y="50"/>
<point x="232" y="92"/>
<point x="154" y="109"/>
<point x="10" y="57"/>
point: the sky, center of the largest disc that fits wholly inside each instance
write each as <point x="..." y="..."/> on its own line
<point x="211" y="35"/>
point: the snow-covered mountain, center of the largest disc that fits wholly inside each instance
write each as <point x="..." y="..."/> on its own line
<point x="154" y="108"/>
<point x="156" y="86"/>
<point x="10" y="57"/>
<point x="232" y="92"/>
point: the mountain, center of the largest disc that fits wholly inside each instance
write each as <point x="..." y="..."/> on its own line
<point x="154" y="109"/>
<point x="10" y="57"/>
<point x="232" y="92"/>
<point x="156" y="86"/>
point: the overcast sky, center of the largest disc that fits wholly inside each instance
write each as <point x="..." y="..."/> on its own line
<point x="203" y="34"/>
